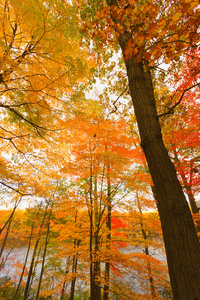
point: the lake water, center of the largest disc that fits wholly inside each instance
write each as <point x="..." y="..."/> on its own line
<point x="17" y="257"/>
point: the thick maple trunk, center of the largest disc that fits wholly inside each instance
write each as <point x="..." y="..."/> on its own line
<point x="180" y="237"/>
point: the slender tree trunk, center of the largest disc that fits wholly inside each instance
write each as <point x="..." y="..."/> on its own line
<point x="26" y="258"/>
<point x="146" y="250"/>
<point x="191" y="198"/>
<point x="30" y="273"/>
<point x="74" y="270"/>
<point x="74" y="264"/>
<point x="91" y="263"/>
<point x="96" y="269"/>
<point x="5" y="238"/>
<point x="44" y="256"/>
<point x="8" y="224"/>
<point x="108" y="225"/>
<point x="4" y="258"/>
<point x="91" y="233"/>
<point x="73" y="283"/>
<point x="36" y="262"/>
<point x="25" y="262"/>
<point x="179" y="233"/>
<point x="97" y="284"/>
<point x="188" y="188"/>
<point x="11" y="216"/>
<point x="64" y="283"/>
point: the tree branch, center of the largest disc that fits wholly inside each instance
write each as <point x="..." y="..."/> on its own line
<point x="15" y="190"/>
<point x="170" y="111"/>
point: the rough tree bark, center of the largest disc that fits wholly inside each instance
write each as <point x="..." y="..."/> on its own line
<point x="180" y="237"/>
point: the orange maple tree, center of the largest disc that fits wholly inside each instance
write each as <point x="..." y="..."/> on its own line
<point x="149" y="33"/>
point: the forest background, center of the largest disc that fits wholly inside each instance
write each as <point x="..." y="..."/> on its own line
<point x="88" y="176"/>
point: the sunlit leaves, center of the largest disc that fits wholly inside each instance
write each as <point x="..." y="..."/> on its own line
<point x="157" y="32"/>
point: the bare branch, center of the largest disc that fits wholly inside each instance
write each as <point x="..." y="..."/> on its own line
<point x="15" y="206"/>
<point x="170" y="111"/>
<point x="15" y="190"/>
<point x="114" y="103"/>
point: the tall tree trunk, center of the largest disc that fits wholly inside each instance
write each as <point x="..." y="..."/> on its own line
<point x="64" y="283"/>
<point x="8" y="224"/>
<point x="96" y="269"/>
<point x="179" y="233"/>
<point x="73" y="283"/>
<point x="181" y="241"/>
<point x="26" y="258"/>
<point x="11" y="216"/>
<point x="5" y="238"/>
<point x="108" y="225"/>
<point x="30" y="273"/>
<point x="25" y="262"/>
<point x="74" y="264"/>
<point x="90" y="211"/>
<point x="5" y="257"/>
<point x="44" y="255"/>
<point x="97" y="283"/>
<point x="146" y="250"/>
<point x="74" y="271"/>
<point x="188" y="188"/>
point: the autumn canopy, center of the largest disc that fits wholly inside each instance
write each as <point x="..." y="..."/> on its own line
<point x="100" y="149"/>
